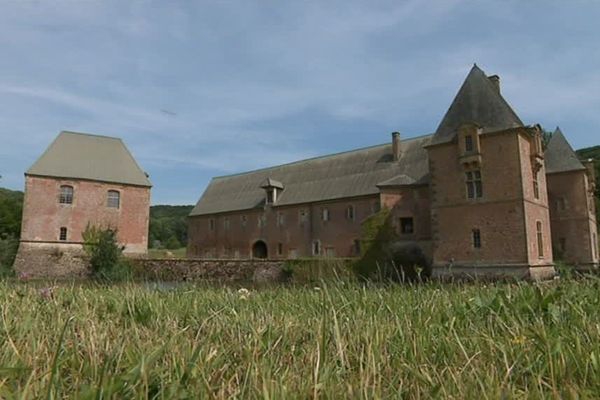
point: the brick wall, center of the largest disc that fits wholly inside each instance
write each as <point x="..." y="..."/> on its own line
<point x="43" y="215"/>
<point x="231" y="237"/>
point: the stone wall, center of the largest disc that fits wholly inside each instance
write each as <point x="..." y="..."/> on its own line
<point x="212" y="270"/>
<point x="51" y="261"/>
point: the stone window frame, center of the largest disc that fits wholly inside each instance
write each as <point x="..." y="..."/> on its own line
<point x="539" y="228"/>
<point x="316" y="247"/>
<point x="66" y="194"/>
<point x="474" y="184"/>
<point x="406" y="225"/>
<point x="325" y="214"/>
<point x="111" y="200"/>
<point x="63" y="234"/>
<point x="280" y="219"/>
<point x="469" y="143"/>
<point x="476" y="238"/>
<point x="351" y="212"/>
<point x="536" y="184"/>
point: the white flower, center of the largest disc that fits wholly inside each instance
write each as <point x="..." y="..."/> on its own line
<point x="316" y="288"/>
<point x="243" y="292"/>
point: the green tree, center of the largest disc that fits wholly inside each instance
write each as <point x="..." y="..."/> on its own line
<point x="106" y="255"/>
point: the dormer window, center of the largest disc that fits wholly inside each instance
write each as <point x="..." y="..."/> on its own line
<point x="469" y="143"/>
<point x="272" y="189"/>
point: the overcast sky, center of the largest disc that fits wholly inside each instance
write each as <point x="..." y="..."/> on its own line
<point x="200" y="89"/>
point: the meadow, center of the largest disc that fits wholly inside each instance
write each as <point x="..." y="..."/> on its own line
<point x="338" y="339"/>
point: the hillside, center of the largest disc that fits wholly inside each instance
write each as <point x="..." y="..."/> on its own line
<point x="168" y="226"/>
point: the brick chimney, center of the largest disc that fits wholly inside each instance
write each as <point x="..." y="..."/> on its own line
<point x="495" y="79"/>
<point x="396" y="146"/>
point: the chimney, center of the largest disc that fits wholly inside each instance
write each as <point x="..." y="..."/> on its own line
<point x="495" y="79"/>
<point x="396" y="145"/>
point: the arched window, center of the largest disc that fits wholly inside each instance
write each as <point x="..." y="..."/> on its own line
<point x="114" y="199"/>
<point x="66" y="194"/>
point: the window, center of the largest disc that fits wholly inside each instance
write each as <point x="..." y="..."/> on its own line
<point x="211" y="224"/>
<point x="114" y="199"/>
<point x="280" y="219"/>
<point x="540" y="239"/>
<point x="350" y="213"/>
<point x="536" y="185"/>
<point x="468" y="143"/>
<point x="66" y="195"/>
<point x="270" y="196"/>
<point x="476" y="238"/>
<point x="330" y="251"/>
<point x="561" y="204"/>
<point x="594" y="245"/>
<point x="226" y="223"/>
<point x="474" y="186"/>
<point x="325" y="214"/>
<point x="244" y="220"/>
<point x="279" y="249"/>
<point x="316" y="247"/>
<point x="406" y="226"/>
<point x="262" y="221"/>
<point x="375" y="207"/>
<point x="63" y="234"/>
<point x="303" y="216"/>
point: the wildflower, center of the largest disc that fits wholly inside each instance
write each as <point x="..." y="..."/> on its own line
<point x="317" y="289"/>
<point x="24" y="276"/>
<point x="47" y="293"/>
<point x="244" y="293"/>
<point x="520" y="340"/>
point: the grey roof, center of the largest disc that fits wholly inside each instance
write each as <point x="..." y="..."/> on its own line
<point x="84" y="156"/>
<point x="479" y="101"/>
<point x="560" y="156"/>
<point x="350" y="174"/>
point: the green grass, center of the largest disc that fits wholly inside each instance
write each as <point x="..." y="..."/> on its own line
<point x="163" y="253"/>
<point x="338" y="341"/>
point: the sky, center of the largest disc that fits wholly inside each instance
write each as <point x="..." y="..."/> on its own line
<point x="201" y="89"/>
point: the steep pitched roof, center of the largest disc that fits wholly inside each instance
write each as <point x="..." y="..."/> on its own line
<point x="479" y="101"/>
<point x="560" y="156"/>
<point x="349" y="174"/>
<point x="84" y="156"/>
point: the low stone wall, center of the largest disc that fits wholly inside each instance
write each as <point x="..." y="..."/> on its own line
<point x="51" y="261"/>
<point x="212" y="270"/>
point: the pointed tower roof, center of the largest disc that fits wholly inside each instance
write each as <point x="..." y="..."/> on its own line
<point x="93" y="157"/>
<point x="560" y="156"/>
<point x="478" y="100"/>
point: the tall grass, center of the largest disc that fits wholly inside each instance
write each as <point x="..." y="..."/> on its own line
<point x="340" y="340"/>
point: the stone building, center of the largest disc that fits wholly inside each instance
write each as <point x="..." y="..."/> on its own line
<point x="474" y="196"/>
<point x="81" y="179"/>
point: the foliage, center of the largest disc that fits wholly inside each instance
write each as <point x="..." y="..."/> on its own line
<point x="106" y="255"/>
<point x="168" y="226"/>
<point x="383" y="256"/>
<point x="8" y="250"/>
<point x="11" y="208"/>
<point x="340" y="340"/>
<point x="594" y="154"/>
<point x="315" y="270"/>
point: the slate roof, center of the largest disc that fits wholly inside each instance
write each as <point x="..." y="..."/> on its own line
<point x="479" y="101"/>
<point x="560" y="156"/>
<point x="85" y="156"/>
<point x="350" y="174"/>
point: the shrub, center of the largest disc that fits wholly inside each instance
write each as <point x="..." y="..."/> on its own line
<point x="106" y="255"/>
<point x="8" y="251"/>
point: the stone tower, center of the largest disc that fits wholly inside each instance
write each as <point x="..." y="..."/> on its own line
<point x="489" y="203"/>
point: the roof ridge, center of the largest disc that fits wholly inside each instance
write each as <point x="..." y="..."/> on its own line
<point x="89" y="134"/>
<point x="319" y="157"/>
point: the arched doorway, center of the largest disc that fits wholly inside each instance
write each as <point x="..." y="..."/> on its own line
<point x="259" y="249"/>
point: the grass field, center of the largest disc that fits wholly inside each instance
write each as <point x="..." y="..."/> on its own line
<point x="336" y="341"/>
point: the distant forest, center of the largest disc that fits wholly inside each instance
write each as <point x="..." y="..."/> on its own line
<point x="168" y="224"/>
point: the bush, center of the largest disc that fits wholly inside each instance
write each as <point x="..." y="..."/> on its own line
<point x="8" y="251"/>
<point x="106" y="255"/>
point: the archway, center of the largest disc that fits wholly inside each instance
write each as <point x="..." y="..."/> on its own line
<point x="259" y="249"/>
